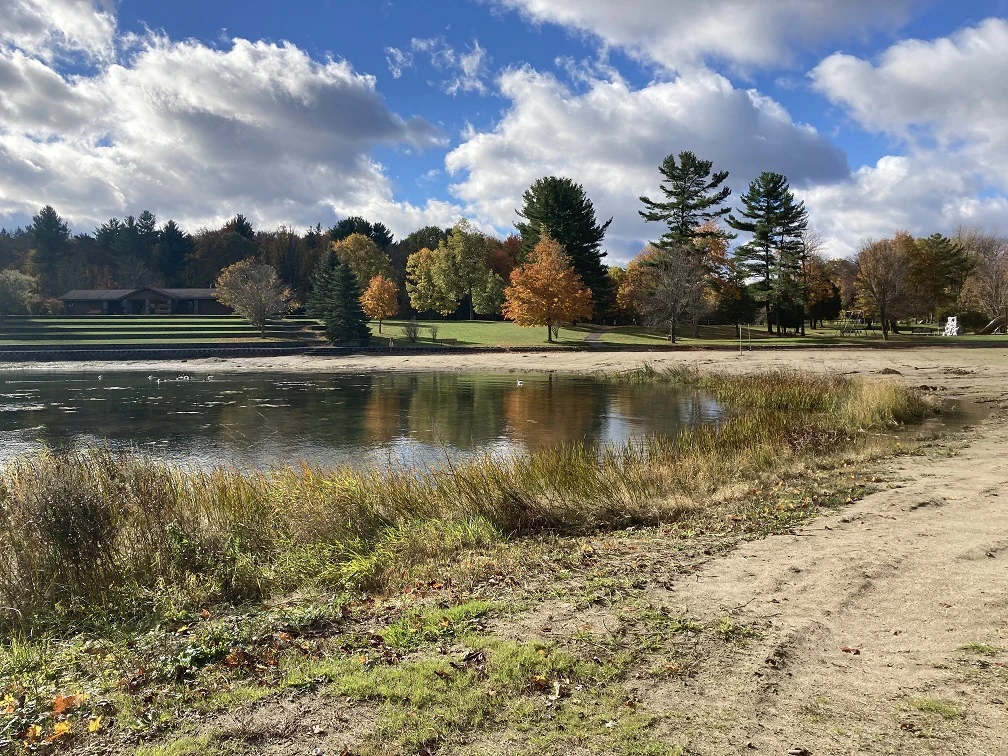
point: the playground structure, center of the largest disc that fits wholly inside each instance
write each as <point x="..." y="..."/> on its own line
<point x="998" y="324"/>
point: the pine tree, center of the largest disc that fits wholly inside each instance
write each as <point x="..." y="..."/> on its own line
<point x="693" y="196"/>
<point x="775" y="252"/>
<point x="561" y="207"/>
<point x="335" y="300"/>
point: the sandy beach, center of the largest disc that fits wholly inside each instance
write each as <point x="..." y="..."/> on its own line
<point x="976" y="373"/>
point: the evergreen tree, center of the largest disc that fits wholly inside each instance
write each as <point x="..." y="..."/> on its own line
<point x="693" y="196"/>
<point x="50" y="237"/>
<point x="376" y="232"/>
<point x="565" y="211"/>
<point x="336" y="301"/>
<point x="775" y="253"/>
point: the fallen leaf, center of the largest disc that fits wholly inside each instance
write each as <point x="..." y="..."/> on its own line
<point x="62" y="729"/>
<point x="94" y="724"/>
<point x="34" y="732"/>
<point x="853" y="651"/>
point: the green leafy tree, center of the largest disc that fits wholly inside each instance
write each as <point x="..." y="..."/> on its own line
<point x="774" y="254"/>
<point x="19" y="292"/>
<point x="364" y="257"/>
<point x="425" y="293"/>
<point x="693" y="196"/>
<point x="489" y="298"/>
<point x="462" y="263"/>
<point x="562" y="207"/>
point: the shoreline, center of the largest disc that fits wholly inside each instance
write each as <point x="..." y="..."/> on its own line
<point x="965" y="371"/>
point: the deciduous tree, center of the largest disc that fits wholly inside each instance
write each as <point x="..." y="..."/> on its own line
<point x="19" y="292"/>
<point x="669" y="284"/>
<point x="425" y="293"/>
<point x="380" y="300"/>
<point x="563" y="208"/>
<point x="254" y="291"/>
<point x="462" y="263"/>
<point x="986" y="289"/>
<point x="364" y="257"/>
<point x="546" y="290"/>
<point x="883" y="283"/>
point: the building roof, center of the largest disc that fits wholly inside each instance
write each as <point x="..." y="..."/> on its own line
<point x="112" y="295"/>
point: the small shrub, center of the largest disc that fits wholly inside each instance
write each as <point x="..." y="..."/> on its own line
<point x="411" y="330"/>
<point x="433" y="328"/>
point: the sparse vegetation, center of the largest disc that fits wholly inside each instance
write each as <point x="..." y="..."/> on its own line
<point x="140" y="591"/>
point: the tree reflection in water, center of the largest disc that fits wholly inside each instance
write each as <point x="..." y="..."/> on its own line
<point x="265" y="420"/>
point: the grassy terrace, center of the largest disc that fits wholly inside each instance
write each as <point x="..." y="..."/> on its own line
<point x="156" y="610"/>
<point x="171" y="330"/>
<point x="150" y="330"/>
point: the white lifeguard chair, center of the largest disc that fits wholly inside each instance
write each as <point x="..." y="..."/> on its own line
<point x="951" y="326"/>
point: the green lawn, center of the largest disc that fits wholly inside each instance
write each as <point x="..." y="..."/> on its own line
<point x="184" y="329"/>
<point x="479" y="333"/>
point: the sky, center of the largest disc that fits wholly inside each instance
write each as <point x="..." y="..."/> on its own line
<point x="884" y="114"/>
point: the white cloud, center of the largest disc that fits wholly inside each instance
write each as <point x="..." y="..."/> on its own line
<point x="467" y="70"/>
<point x="47" y="29"/>
<point x="199" y="133"/>
<point x="923" y="194"/>
<point x="397" y="61"/>
<point x="945" y="100"/>
<point x="611" y="138"/>
<point x="674" y="33"/>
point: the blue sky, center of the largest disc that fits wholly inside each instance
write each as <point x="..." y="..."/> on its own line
<point x="881" y="112"/>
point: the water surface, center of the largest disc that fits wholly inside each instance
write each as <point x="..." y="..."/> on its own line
<point x="263" y="420"/>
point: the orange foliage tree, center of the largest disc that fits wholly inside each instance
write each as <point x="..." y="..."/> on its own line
<point x="380" y="300"/>
<point x="546" y="290"/>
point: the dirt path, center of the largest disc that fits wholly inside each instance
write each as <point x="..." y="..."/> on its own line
<point x="914" y="577"/>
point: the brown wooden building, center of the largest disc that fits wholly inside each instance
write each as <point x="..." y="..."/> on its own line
<point x="146" y="301"/>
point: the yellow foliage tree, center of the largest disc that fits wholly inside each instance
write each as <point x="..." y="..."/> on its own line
<point x="380" y="300"/>
<point x="546" y="290"/>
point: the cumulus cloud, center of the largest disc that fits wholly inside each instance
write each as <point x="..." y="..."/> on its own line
<point x="47" y="29"/>
<point x="944" y="100"/>
<point x="199" y="133"/>
<point x="674" y="33"/>
<point x="611" y="138"/>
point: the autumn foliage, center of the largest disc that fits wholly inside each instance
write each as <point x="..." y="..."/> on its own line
<point x="546" y="290"/>
<point x="381" y="299"/>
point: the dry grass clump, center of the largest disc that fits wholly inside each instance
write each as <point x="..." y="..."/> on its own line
<point x="94" y="534"/>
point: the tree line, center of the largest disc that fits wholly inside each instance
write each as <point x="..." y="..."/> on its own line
<point x="550" y="271"/>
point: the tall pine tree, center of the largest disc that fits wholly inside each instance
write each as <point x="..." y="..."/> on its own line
<point x="775" y="253"/>
<point x="693" y="196"/>
<point x="565" y="211"/>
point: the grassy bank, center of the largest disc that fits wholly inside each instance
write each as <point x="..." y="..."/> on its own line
<point x="92" y="533"/>
<point x="151" y="604"/>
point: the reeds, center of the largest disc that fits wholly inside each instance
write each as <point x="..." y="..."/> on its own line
<point x="98" y="534"/>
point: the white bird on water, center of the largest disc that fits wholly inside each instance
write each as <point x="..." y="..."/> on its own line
<point x="520" y="383"/>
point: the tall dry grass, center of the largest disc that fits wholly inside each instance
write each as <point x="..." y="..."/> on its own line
<point x="95" y="534"/>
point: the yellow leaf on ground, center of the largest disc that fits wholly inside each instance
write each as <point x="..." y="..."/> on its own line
<point x="94" y="724"/>
<point x="61" y="729"/>
<point x="34" y="732"/>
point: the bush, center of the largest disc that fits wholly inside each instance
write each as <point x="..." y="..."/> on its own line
<point x="411" y="330"/>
